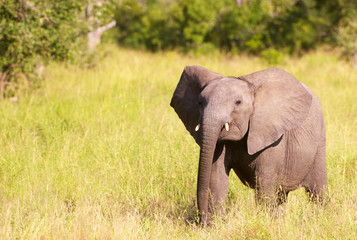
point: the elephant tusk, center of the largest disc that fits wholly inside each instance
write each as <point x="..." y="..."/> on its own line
<point x="226" y="126"/>
<point x="197" y="127"/>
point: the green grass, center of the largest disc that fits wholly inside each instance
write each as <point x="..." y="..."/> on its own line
<point x="99" y="154"/>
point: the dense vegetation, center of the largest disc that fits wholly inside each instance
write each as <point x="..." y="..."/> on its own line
<point x="254" y="26"/>
<point x="34" y="32"/>
<point x="99" y="154"/>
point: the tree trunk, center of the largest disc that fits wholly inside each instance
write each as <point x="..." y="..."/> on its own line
<point x="240" y="3"/>
<point x="94" y="37"/>
<point x="95" y="34"/>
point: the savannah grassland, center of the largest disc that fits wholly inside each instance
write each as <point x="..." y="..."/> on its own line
<point x="98" y="153"/>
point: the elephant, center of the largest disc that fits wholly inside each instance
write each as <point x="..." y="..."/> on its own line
<point x="267" y="126"/>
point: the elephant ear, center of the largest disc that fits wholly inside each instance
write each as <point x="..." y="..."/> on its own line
<point x="186" y="96"/>
<point x="281" y="103"/>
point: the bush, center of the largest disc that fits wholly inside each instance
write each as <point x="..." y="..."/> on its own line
<point x="272" y="56"/>
<point x="346" y="35"/>
<point x="37" y="31"/>
<point x="159" y="25"/>
<point x="285" y="25"/>
<point x="300" y="27"/>
<point x="240" y="28"/>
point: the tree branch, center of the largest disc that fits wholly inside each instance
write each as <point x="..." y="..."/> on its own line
<point x="94" y="36"/>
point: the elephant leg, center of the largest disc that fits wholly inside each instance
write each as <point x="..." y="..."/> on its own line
<point x="282" y="196"/>
<point x="268" y="165"/>
<point x="266" y="189"/>
<point x="265" y="192"/>
<point x="316" y="180"/>
<point x="219" y="180"/>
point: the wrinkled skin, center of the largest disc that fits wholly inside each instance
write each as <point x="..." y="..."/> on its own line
<point x="267" y="126"/>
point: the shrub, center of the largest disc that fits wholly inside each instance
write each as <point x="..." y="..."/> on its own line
<point x="346" y="34"/>
<point x="272" y="56"/>
<point x="285" y="25"/>
<point x="160" y="25"/>
<point x="36" y="31"/>
<point x="240" y="28"/>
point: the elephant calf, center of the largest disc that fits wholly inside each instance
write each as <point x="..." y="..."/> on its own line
<point x="267" y="126"/>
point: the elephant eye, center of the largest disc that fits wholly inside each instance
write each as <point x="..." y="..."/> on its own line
<point x="238" y="102"/>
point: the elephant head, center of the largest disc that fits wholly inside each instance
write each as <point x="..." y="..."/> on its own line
<point x="264" y="105"/>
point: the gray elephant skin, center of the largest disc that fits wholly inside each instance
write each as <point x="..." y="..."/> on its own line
<point x="267" y="126"/>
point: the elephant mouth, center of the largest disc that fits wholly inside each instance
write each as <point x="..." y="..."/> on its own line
<point x="230" y="131"/>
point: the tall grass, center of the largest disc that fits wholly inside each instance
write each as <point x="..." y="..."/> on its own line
<point x="99" y="154"/>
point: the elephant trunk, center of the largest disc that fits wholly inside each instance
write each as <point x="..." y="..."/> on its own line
<point x="210" y="132"/>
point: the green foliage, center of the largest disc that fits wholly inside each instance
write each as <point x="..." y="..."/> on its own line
<point x="347" y="37"/>
<point x="159" y="25"/>
<point x="285" y="25"/>
<point x="101" y="12"/>
<point x="141" y="25"/>
<point x="302" y="26"/>
<point x="196" y="20"/>
<point x="347" y="32"/>
<point x="241" y="28"/>
<point x="272" y="56"/>
<point x="33" y="31"/>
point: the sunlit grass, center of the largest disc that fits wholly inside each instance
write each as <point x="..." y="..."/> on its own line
<point x="99" y="154"/>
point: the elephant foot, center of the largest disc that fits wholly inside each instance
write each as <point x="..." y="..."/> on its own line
<point x="204" y="221"/>
<point x="318" y="195"/>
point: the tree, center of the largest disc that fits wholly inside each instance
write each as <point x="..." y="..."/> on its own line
<point x="33" y="32"/>
<point x="346" y="33"/>
<point x="99" y="16"/>
<point x="36" y="30"/>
